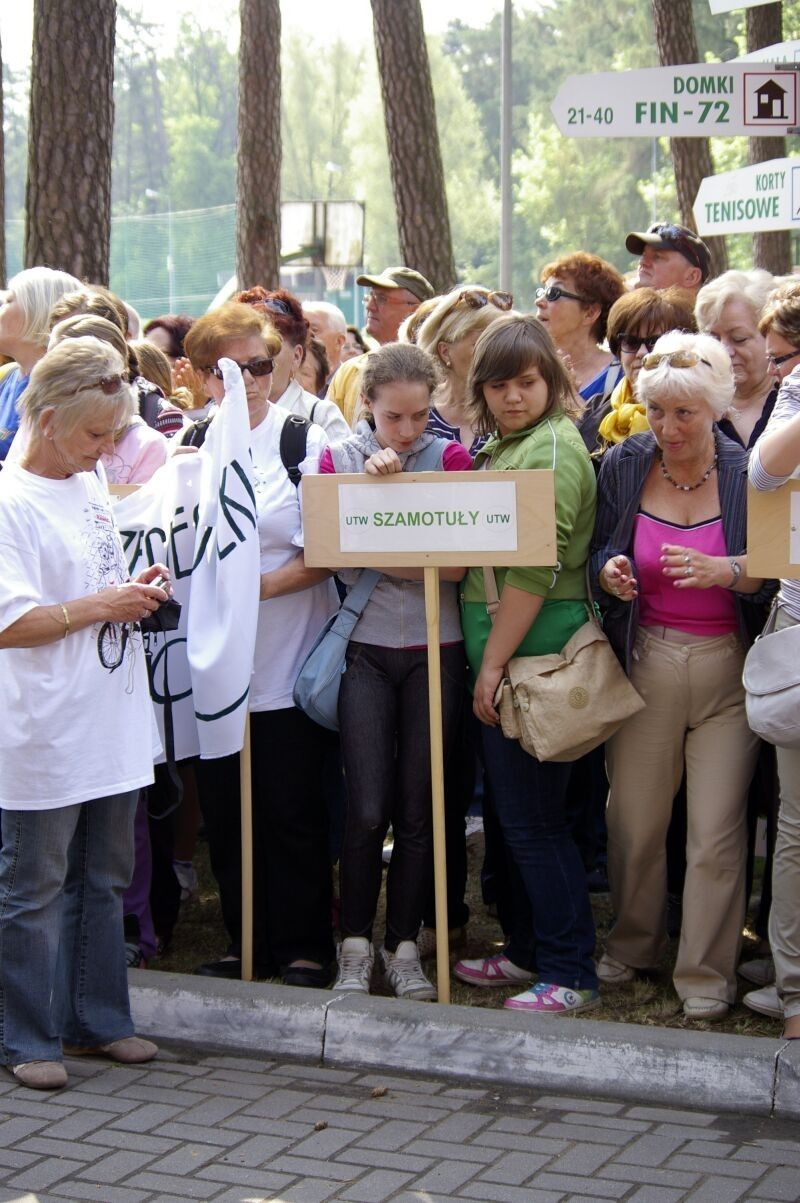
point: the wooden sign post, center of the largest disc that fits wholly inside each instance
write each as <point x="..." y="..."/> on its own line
<point x="431" y="520"/>
<point x="773" y="532"/>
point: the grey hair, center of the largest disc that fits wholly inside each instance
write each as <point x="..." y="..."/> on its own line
<point x="37" y="289"/>
<point x="66" y="380"/>
<point x="710" y="380"/>
<point x="753" y="287"/>
<point x="326" y="309"/>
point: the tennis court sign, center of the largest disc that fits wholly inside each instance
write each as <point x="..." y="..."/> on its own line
<point x="727" y="6"/>
<point x="764" y="196"/>
<point x="691" y="101"/>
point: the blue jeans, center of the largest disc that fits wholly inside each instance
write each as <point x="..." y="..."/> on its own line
<point x="62" y="958"/>
<point x="529" y="797"/>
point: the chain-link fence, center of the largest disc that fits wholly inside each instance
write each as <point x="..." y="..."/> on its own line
<point x="177" y="262"/>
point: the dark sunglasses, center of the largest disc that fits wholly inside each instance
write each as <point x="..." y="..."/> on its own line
<point x="630" y="343"/>
<point x="107" y="384"/>
<point x="777" y="360"/>
<point x="256" y="367"/>
<point x="476" y="299"/>
<point x="554" y="292"/>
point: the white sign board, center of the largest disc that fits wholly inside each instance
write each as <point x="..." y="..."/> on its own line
<point x="781" y="52"/>
<point x="764" y="196"/>
<point x="423" y="517"/>
<point x="727" y="6"/>
<point x="696" y="100"/>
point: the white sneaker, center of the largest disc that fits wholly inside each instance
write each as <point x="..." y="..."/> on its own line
<point x="356" y="958"/>
<point x="404" y="972"/>
<point x="765" y="1002"/>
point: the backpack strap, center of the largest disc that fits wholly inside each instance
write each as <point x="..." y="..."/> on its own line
<point x="196" y="434"/>
<point x="293" y="446"/>
<point x="313" y="411"/>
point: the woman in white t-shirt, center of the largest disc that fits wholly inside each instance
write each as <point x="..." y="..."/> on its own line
<point x="77" y="741"/>
<point x="292" y="869"/>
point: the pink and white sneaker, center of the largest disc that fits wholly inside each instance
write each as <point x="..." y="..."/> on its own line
<point x="547" y="999"/>
<point x="492" y="971"/>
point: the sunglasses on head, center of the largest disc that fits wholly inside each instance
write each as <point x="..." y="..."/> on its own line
<point x="675" y="359"/>
<point x="256" y="367"/>
<point x="476" y="299"/>
<point x="106" y="384"/>
<point x="554" y="292"/>
<point x="777" y="360"/>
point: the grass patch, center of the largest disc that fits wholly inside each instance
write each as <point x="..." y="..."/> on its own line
<point x="200" y="936"/>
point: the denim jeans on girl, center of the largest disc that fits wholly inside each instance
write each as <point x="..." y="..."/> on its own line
<point x="530" y="800"/>
<point x="62" y="956"/>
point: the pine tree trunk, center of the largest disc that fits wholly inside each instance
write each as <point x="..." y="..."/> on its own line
<point x="2" y="183"/>
<point x="258" y="177"/>
<point x="772" y="249"/>
<point x="415" y="157"/>
<point x="68" y="199"/>
<point x="691" y="157"/>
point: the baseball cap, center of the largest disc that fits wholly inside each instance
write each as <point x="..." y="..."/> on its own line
<point x="400" y="277"/>
<point x="672" y="238"/>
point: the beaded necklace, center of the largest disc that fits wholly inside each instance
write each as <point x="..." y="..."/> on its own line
<point x="687" y="488"/>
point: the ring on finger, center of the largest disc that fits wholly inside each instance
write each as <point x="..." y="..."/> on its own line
<point x="688" y="570"/>
<point x="687" y="559"/>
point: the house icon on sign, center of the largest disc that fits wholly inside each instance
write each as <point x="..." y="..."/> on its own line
<point x="771" y="102"/>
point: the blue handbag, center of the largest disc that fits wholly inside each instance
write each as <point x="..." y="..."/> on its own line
<point x="316" y="690"/>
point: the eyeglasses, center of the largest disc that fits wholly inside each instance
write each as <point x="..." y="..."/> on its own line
<point x="278" y="306"/>
<point x="683" y="243"/>
<point x="675" y="359"/>
<point x="554" y="292"/>
<point x="107" y="384"/>
<point x="256" y="367"/>
<point x="630" y="343"/>
<point x="475" y="299"/>
<point x="381" y="297"/>
<point x="777" y="360"/>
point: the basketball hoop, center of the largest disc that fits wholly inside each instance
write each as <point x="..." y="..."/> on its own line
<point x="335" y="278"/>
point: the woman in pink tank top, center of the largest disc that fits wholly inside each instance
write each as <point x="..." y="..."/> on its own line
<point x="669" y="561"/>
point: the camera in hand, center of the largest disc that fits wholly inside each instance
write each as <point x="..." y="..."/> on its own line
<point x="168" y="615"/>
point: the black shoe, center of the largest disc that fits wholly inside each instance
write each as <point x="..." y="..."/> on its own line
<point x="674" y="915"/>
<point x="597" y="880"/>
<point x="304" y="975"/>
<point x="228" y="968"/>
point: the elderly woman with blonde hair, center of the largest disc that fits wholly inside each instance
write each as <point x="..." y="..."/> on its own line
<point x="729" y="309"/>
<point x="670" y="565"/>
<point x="77" y="744"/>
<point x="449" y="334"/>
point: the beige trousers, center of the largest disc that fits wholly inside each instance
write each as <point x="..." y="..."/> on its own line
<point x="784" y="917"/>
<point x="694" y="716"/>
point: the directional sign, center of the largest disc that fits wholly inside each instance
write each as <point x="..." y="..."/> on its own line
<point x="780" y="52"/>
<point x="696" y="100"/>
<point x="727" y="6"/>
<point x="765" y="196"/>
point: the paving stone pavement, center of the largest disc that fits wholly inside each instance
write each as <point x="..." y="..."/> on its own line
<point x="204" y="1126"/>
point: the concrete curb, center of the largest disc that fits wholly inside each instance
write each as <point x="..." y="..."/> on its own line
<point x="572" y="1056"/>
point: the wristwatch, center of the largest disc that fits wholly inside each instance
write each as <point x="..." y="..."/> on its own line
<point x="736" y="570"/>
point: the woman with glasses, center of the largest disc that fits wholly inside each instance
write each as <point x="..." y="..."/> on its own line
<point x="670" y="570"/>
<point x="77" y="745"/>
<point x="635" y="324"/>
<point x="285" y="314"/>
<point x="292" y="872"/>
<point x="573" y="302"/>
<point x="774" y="460"/>
<point x="729" y="308"/>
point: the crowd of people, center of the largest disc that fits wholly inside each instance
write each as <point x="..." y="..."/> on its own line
<point x="654" y="400"/>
